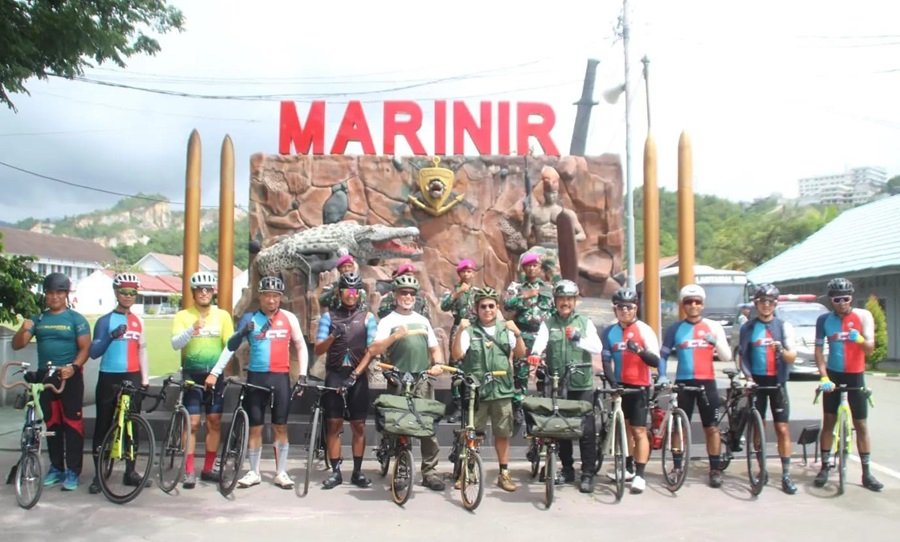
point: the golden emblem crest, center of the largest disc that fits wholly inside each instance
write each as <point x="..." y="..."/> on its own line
<point x="435" y="195"/>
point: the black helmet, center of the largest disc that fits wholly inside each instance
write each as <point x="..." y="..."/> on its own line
<point x="271" y="284"/>
<point x="565" y="288"/>
<point x="486" y="293"/>
<point x="350" y="280"/>
<point x="625" y="295"/>
<point x="766" y="290"/>
<point x="839" y="286"/>
<point x="406" y="281"/>
<point x="57" y="282"/>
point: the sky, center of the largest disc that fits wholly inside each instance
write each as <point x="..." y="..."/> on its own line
<point x="768" y="92"/>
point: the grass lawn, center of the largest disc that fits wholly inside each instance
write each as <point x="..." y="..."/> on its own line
<point x="163" y="359"/>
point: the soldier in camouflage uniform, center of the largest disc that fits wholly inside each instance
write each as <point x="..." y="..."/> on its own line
<point x="388" y="302"/>
<point x="329" y="299"/>
<point x="459" y="303"/>
<point x="529" y="303"/>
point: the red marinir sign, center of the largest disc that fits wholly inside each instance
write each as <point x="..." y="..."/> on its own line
<point x="403" y="118"/>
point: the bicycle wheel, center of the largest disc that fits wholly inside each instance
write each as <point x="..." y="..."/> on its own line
<point x="402" y="477"/>
<point x="549" y="476"/>
<point x="313" y="449"/>
<point x="842" y="452"/>
<point x="756" y="452"/>
<point x="29" y="482"/>
<point x="174" y="448"/>
<point x="726" y="453"/>
<point x="321" y="446"/>
<point x="473" y="481"/>
<point x="383" y="454"/>
<point x="620" y="450"/>
<point x="534" y="456"/>
<point x="123" y="478"/>
<point x="676" y="441"/>
<point x="233" y="449"/>
<point x="600" y="437"/>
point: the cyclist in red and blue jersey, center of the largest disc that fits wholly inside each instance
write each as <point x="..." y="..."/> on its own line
<point x="119" y="339"/>
<point x="344" y="334"/>
<point x="271" y="332"/>
<point x="63" y="339"/>
<point x="850" y="333"/>
<point x="766" y="347"/>
<point x="630" y="349"/>
<point x="695" y="340"/>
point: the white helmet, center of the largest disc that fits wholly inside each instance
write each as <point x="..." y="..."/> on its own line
<point x="692" y="290"/>
<point x="126" y="280"/>
<point x="202" y="279"/>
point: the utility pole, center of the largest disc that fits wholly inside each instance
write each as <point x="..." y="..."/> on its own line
<point x="583" y="113"/>
<point x="629" y="188"/>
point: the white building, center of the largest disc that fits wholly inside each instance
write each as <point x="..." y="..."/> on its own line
<point x="76" y="258"/>
<point x="94" y="294"/>
<point x="851" y="188"/>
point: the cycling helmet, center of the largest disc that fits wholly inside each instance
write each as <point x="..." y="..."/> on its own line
<point x="126" y="280"/>
<point x="406" y="281"/>
<point x="839" y="286"/>
<point x="203" y="279"/>
<point x="625" y="295"/>
<point x="565" y="288"/>
<point x="271" y="284"/>
<point x="486" y="293"/>
<point x="350" y="280"/>
<point x="57" y="282"/>
<point x="692" y="290"/>
<point x="766" y="290"/>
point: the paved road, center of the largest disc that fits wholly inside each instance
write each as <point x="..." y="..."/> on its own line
<point x="696" y="512"/>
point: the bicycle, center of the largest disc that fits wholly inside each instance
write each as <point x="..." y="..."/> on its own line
<point x="843" y="429"/>
<point x="610" y="435"/>
<point x="399" y="418"/>
<point x="27" y="471"/>
<point x="129" y="443"/>
<point x="316" y="429"/>
<point x="234" y="446"/>
<point x="550" y="420"/>
<point x="465" y="456"/>
<point x="173" y="451"/>
<point x="675" y="429"/>
<point x="740" y="417"/>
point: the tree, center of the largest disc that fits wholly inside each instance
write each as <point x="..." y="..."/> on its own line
<point x="881" y="335"/>
<point x="40" y="38"/>
<point x="17" y="281"/>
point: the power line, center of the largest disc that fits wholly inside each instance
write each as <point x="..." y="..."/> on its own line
<point x="103" y="190"/>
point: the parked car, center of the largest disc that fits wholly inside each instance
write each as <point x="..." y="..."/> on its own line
<point x="801" y="311"/>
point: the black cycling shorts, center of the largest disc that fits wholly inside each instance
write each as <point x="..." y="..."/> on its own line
<point x="357" y="396"/>
<point x="636" y="406"/>
<point x="197" y="400"/>
<point x="256" y="402"/>
<point x="781" y="404"/>
<point x="859" y="406"/>
<point x="709" y="413"/>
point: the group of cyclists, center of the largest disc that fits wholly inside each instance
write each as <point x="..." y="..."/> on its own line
<point x="542" y="332"/>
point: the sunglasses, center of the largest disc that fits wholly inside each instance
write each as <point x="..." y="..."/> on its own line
<point x="204" y="290"/>
<point x="402" y="293"/>
<point x="351" y="291"/>
<point x="130" y="292"/>
<point x="487" y="306"/>
<point x="841" y="299"/>
<point x="625" y="306"/>
<point x="689" y="302"/>
<point x="766" y="301"/>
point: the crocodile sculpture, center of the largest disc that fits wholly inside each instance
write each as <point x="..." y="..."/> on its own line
<point x="321" y="246"/>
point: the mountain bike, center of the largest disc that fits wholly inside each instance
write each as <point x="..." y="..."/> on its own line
<point x="28" y="472"/>
<point x="740" y="424"/>
<point x="173" y="451"/>
<point x="465" y="456"/>
<point x="400" y="418"/>
<point x="550" y="419"/>
<point x="127" y="451"/>
<point x="234" y="446"/>
<point x="611" y="439"/>
<point x="316" y="430"/>
<point x="843" y="429"/>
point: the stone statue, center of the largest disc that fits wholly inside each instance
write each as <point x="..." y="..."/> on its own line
<point x="540" y="222"/>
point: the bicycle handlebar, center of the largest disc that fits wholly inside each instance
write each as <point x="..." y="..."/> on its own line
<point x="24" y="384"/>
<point x="238" y="382"/>
<point x="619" y="391"/>
<point x="316" y="384"/>
<point x="843" y="387"/>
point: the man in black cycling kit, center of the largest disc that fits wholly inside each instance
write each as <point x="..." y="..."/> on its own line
<point x="766" y="349"/>
<point x="343" y="335"/>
